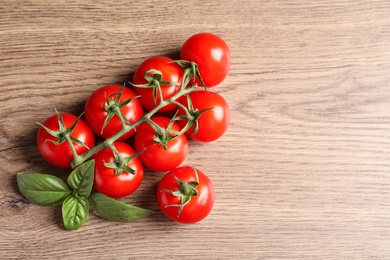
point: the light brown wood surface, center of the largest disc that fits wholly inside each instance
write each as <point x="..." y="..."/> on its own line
<point x="303" y="171"/>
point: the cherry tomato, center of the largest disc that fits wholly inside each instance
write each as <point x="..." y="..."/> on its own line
<point x="154" y="155"/>
<point x="60" y="155"/>
<point x="171" y="72"/>
<point x="212" y="55"/>
<point x="212" y="123"/>
<point x="185" y="195"/>
<point x="107" y="181"/>
<point x="99" y="105"/>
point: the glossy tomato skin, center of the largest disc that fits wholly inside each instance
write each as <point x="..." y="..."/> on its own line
<point x="171" y="72"/>
<point x="61" y="155"/>
<point x="95" y="112"/>
<point x="212" y="55"/>
<point x="198" y="207"/>
<point x="154" y="156"/>
<point x="212" y="123"/>
<point x="107" y="182"/>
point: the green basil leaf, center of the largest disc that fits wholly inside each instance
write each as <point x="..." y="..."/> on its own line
<point x="42" y="189"/>
<point x="81" y="178"/>
<point x="114" y="210"/>
<point x="75" y="212"/>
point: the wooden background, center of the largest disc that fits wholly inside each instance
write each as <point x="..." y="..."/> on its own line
<point x="303" y="171"/>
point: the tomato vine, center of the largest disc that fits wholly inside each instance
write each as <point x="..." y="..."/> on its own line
<point x="126" y="127"/>
<point x="66" y="141"/>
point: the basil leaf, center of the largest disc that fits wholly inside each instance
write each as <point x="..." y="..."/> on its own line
<point x="75" y="212"/>
<point x="81" y="178"/>
<point x="114" y="210"/>
<point x="42" y="189"/>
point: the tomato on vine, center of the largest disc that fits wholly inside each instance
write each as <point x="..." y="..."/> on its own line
<point x="212" y="56"/>
<point x="114" y="168"/>
<point x="54" y="135"/>
<point x="157" y="77"/>
<point x="185" y="195"/>
<point x="160" y="147"/>
<point x="119" y="172"/>
<point x="109" y="107"/>
<point x="209" y="115"/>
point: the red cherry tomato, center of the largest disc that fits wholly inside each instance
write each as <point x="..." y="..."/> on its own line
<point x="154" y="155"/>
<point x="96" y="111"/>
<point x="171" y="72"/>
<point x="60" y="155"/>
<point x="213" y="123"/>
<point x="212" y="55"/>
<point x="200" y="191"/>
<point x="107" y="182"/>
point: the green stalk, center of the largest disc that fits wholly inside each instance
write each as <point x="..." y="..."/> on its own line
<point x="126" y="127"/>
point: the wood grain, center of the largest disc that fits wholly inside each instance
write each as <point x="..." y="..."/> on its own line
<point x="303" y="170"/>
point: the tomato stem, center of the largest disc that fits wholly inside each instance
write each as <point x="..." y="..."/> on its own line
<point x="69" y="140"/>
<point x="127" y="126"/>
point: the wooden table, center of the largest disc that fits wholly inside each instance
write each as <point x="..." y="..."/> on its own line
<point x="303" y="171"/>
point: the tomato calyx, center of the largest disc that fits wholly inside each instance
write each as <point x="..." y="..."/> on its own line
<point x="186" y="191"/>
<point x="192" y="115"/>
<point x="154" y="81"/>
<point x="163" y="136"/>
<point x="64" y="134"/>
<point x="191" y="72"/>
<point x="113" y="107"/>
<point x="120" y="163"/>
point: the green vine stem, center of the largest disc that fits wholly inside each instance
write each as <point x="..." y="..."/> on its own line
<point x="79" y="159"/>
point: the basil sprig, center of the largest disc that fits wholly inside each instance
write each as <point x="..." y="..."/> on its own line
<point x="75" y="208"/>
<point x="74" y="195"/>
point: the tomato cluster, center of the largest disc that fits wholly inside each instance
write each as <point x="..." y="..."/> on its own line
<point x="148" y="124"/>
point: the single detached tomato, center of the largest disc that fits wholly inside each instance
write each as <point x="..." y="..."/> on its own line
<point x="169" y="81"/>
<point x="112" y="178"/>
<point x="159" y="152"/>
<point x="104" y="103"/>
<point x="185" y="195"/>
<point x="212" y="55"/>
<point x="211" y="115"/>
<point x="52" y="143"/>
